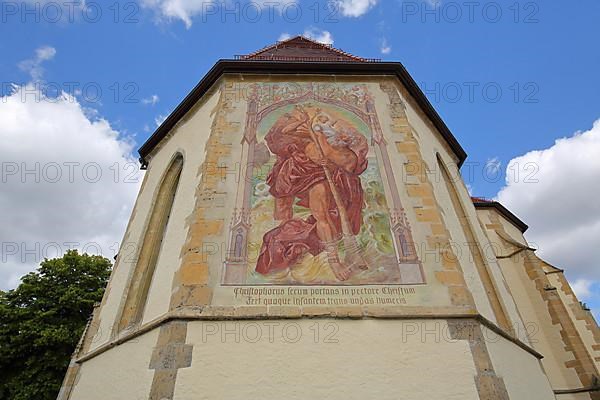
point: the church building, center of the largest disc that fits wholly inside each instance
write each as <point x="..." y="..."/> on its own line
<point x="303" y="232"/>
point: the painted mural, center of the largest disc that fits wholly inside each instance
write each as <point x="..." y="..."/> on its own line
<point x="314" y="208"/>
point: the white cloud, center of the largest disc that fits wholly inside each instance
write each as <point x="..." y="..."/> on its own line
<point x="313" y="33"/>
<point x="45" y="53"/>
<point x="385" y="48"/>
<point x="65" y="180"/>
<point x="556" y="192"/>
<point x="183" y="10"/>
<point x="492" y="166"/>
<point x="318" y="35"/>
<point x="186" y="10"/>
<point x="353" y="8"/>
<point x="582" y="288"/>
<point x="284" y="36"/>
<point x="276" y="4"/>
<point x="470" y="189"/>
<point x="33" y="66"/>
<point x="160" y="119"/>
<point x="152" y="100"/>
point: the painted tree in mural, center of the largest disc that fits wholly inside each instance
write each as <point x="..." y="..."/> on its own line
<point x="42" y="320"/>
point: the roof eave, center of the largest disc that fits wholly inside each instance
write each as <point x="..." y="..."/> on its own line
<point x="505" y="212"/>
<point x="302" y="67"/>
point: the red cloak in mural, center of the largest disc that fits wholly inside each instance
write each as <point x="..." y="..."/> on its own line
<point x="293" y="179"/>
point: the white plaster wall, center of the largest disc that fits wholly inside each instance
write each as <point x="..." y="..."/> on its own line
<point x="190" y="137"/>
<point x="514" y="232"/>
<point x="431" y="143"/>
<point x="372" y="359"/>
<point x="521" y="371"/>
<point x="429" y="148"/>
<point x="125" y="262"/>
<point x="461" y="243"/>
<point x="488" y="245"/>
<point x="581" y="325"/>
<point x="233" y="175"/>
<point x="544" y="336"/>
<point x="120" y="373"/>
<point x="502" y="287"/>
<point x="438" y="293"/>
<point x="573" y="396"/>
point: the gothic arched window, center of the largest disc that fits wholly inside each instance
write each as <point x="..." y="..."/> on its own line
<point x="150" y="243"/>
<point x="474" y="247"/>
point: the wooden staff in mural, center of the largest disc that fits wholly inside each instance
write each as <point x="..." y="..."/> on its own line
<point x="354" y="257"/>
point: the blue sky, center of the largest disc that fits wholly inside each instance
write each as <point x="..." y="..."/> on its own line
<point x="541" y="59"/>
<point x="507" y="77"/>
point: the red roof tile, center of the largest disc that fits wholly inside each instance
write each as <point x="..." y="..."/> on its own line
<point x="300" y="48"/>
<point x="481" y="200"/>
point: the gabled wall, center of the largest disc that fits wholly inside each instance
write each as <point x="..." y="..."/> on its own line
<point x="556" y="324"/>
<point x="449" y="304"/>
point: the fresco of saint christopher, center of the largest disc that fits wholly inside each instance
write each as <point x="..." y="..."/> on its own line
<point x="318" y="166"/>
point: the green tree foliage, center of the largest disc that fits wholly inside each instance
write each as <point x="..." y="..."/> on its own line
<point x="41" y="322"/>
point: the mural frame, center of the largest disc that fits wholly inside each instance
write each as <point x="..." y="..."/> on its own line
<point x="354" y="98"/>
